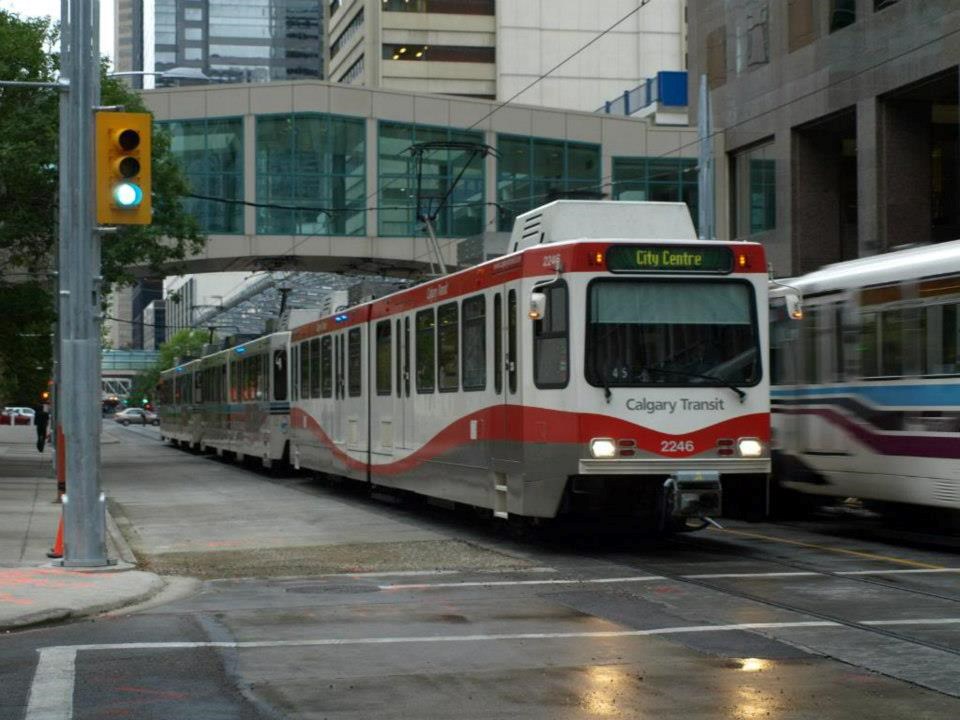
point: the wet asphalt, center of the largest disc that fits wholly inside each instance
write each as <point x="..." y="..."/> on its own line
<point x="318" y="601"/>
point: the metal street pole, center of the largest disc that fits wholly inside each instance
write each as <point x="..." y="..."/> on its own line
<point x="79" y="288"/>
<point x="706" y="178"/>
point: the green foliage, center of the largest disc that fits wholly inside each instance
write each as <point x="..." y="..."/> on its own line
<point x="29" y="188"/>
<point x="182" y="344"/>
<point x="25" y="348"/>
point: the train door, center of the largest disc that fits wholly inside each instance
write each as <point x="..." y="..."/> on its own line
<point x="404" y="412"/>
<point x="505" y="452"/>
<point x="823" y="366"/>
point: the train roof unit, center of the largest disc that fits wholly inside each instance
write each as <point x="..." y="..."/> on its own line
<point x="916" y="262"/>
<point x="601" y="219"/>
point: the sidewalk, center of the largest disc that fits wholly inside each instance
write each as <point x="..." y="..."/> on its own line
<point x="32" y="589"/>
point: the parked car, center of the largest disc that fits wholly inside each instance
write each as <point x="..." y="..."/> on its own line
<point x="136" y="416"/>
<point x="14" y="415"/>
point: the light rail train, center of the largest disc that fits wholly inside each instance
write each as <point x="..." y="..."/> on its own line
<point x="610" y="367"/>
<point x="866" y="395"/>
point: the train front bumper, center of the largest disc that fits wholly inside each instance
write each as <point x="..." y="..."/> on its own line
<point x="671" y="466"/>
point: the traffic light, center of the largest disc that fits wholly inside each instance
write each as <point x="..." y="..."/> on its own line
<point x="45" y="395"/>
<point x="123" y="168"/>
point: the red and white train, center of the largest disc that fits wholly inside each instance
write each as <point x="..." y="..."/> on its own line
<point x="610" y="366"/>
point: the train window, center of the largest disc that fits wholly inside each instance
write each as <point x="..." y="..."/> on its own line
<point x="326" y="367"/>
<point x="279" y="374"/>
<point x="355" y="359"/>
<point x="425" y="351"/>
<point x="384" y="357"/>
<point x="304" y="359"/>
<point x="399" y="363"/>
<point x="448" y="347"/>
<point x="809" y="337"/>
<point x="550" y="340"/>
<point x="891" y="343"/>
<point x="497" y="343"/>
<point x="315" y="368"/>
<point x="475" y="343"/>
<point x="941" y="340"/>
<point x="512" y="341"/>
<point x="406" y="356"/>
<point x="869" y="345"/>
<point x="294" y="372"/>
<point x="839" y="359"/>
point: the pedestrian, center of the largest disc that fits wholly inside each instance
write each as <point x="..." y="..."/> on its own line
<point x="42" y="420"/>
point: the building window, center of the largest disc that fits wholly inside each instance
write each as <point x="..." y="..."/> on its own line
<point x="883" y="4"/>
<point x="475" y="343"/>
<point x="440" y="53"/>
<point x="462" y="211"/>
<point x="758" y="32"/>
<point x="533" y="171"/>
<point x="354" y="72"/>
<point x="349" y="32"/>
<point x="457" y="7"/>
<point x="842" y="13"/>
<point x="334" y="6"/>
<point x="802" y="30"/>
<point x="659" y="179"/>
<point x="425" y="351"/>
<point x="316" y="162"/>
<point x="755" y="189"/>
<point x="717" y="57"/>
<point x="211" y="155"/>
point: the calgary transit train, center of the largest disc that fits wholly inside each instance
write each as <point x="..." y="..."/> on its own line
<point x="610" y="366"/>
<point x="866" y="395"/>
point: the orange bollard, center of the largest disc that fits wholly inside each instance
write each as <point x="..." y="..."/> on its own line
<point x="57" y="550"/>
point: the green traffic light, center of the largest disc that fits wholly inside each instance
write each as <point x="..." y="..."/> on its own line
<point x="127" y="195"/>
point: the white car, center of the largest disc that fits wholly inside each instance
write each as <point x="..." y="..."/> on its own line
<point x="18" y="415"/>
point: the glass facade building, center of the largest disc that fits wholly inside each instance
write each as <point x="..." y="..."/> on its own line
<point x="211" y="155"/>
<point x="533" y="171"/>
<point x="238" y="40"/>
<point x="657" y="179"/>
<point x="314" y="161"/>
<point x="463" y="211"/>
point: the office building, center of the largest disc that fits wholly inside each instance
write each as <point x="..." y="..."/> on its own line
<point x="836" y="123"/>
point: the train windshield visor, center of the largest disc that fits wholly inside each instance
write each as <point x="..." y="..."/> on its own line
<point x="644" y="332"/>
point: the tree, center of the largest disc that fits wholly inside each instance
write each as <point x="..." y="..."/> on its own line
<point x="182" y="344"/>
<point x="29" y="133"/>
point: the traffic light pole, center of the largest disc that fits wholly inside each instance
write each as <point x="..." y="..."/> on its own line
<point x="79" y="288"/>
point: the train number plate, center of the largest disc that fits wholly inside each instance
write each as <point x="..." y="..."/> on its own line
<point x="676" y="446"/>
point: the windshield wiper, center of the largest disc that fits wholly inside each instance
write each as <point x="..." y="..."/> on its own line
<point x="720" y="381"/>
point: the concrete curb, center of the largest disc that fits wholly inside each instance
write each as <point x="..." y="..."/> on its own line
<point x="156" y="586"/>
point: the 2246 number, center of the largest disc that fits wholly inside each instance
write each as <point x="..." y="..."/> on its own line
<point x="676" y="446"/>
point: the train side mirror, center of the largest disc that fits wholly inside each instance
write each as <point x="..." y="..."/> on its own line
<point x="538" y="306"/>
<point x="794" y="305"/>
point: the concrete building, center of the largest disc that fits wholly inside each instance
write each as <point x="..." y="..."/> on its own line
<point x="495" y="48"/>
<point x="837" y="123"/>
<point x="330" y="183"/>
<point x="186" y="296"/>
<point x="221" y="41"/>
<point x="119" y="322"/>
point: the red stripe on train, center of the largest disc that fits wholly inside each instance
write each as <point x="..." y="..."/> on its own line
<point x="542" y="426"/>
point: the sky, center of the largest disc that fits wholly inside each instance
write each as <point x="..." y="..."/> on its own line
<point x="32" y="8"/>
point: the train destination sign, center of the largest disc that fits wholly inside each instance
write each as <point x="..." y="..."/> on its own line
<point x="669" y="258"/>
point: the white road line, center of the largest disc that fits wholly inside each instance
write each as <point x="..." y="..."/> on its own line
<point x="649" y="578"/>
<point x="720" y="576"/>
<point x="503" y="583"/>
<point x="899" y="571"/>
<point x="51" y="695"/>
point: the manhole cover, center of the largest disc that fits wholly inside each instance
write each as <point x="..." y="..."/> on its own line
<point x="332" y="588"/>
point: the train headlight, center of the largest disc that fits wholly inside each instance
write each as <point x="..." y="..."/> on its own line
<point x="750" y="447"/>
<point x="603" y="448"/>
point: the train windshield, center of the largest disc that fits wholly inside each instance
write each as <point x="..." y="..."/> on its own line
<point x="672" y="333"/>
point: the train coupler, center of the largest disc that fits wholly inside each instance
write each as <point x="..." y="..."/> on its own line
<point x="692" y="494"/>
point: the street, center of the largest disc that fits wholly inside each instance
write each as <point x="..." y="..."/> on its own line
<point x="315" y="595"/>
